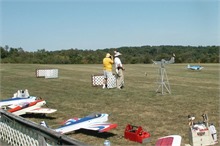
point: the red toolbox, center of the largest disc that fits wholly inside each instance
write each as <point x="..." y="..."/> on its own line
<point x="137" y="134"/>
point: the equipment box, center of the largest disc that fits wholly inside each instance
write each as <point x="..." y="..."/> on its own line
<point x="137" y="134"/>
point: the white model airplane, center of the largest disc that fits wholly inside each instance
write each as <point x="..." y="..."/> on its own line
<point x="95" y="121"/>
<point x="163" y="61"/>
<point x="31" y="107"/>
<point x="171" y="140"/>
<point x="194" y="67"/>
<point x="16" y="100"/>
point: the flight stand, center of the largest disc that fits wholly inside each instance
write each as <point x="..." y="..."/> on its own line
<point x="163" y="81"/>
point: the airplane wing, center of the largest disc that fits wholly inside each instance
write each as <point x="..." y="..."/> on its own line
<point x="155" y="62"/>
<point x="12" y="106"/>
<point x="171" y="140"/>
<point x="101" y="127"/>
<point x="42" y="111"/>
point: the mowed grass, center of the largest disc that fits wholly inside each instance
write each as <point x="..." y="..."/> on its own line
<point x="193" y="92"/>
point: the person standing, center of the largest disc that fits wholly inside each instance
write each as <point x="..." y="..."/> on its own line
<point x="107" y="68"/>
<point x="119" y="71"/>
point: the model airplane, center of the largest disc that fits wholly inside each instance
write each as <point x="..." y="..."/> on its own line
<point x="163" y="61"/>
<point x="171" y="140"/>
<point x="194" y="67"/>
<point x="16" y="100"/>
<point x="19" y="97"/>
<point x="31" y="107"/>
<point x="95" y="121"/>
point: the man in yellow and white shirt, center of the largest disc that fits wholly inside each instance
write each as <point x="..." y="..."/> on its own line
<point x="107" y="68"/>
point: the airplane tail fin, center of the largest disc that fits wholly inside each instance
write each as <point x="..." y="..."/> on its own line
<point x="43" y="123"/>
<point x="172" y="59"/>
<point x="188" y="66"/>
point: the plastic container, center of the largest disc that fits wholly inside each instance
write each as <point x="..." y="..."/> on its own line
<point x="107" y="143"/>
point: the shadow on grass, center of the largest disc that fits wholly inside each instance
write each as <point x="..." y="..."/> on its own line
<point x="38" y="116"/>
<point x="103" y="135"/>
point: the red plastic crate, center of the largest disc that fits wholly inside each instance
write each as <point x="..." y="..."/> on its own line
<point x="136" y="133"/>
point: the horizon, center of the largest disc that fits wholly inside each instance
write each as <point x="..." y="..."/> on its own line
<point x="107" y="48"/>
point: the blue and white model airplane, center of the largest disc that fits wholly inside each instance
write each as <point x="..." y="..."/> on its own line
<point x="94" y="121"/>
<point x="16" y="100"/>
<point x="194" y="67"/>
<point x="20" y="96"/>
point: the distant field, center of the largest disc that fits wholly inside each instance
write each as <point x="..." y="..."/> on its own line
<point x="193" y="92"/>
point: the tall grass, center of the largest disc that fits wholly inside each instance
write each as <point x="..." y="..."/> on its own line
<point x="193" y="92"/>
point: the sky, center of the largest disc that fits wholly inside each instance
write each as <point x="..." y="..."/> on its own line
<point x="99" y="24"/>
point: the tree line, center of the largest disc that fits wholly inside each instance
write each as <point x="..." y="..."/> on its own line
<point x="131" y="55"/>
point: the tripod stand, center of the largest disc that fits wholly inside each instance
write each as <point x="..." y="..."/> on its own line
<point x="163" y="81"/>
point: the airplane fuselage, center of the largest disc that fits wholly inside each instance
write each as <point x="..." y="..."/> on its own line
<point x="81" y="123"/>
<point x="195" y="67"/>
<point x="14" y="101"/>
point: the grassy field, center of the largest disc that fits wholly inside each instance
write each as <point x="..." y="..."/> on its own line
<point x="193" y="92"/>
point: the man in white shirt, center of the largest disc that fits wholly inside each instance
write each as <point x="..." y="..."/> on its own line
<point x="213" y="132"/>
<point x="119" y="71"/>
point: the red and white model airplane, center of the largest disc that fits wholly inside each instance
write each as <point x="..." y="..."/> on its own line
<point x="31" y="107"/>
<point x="94" y="121"/>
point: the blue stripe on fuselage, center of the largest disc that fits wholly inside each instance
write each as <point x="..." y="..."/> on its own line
<point x="80" y="121"/>
<point x="12" y="99"/>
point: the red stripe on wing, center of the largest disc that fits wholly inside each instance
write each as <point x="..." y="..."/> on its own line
<point x="110" y="126"/>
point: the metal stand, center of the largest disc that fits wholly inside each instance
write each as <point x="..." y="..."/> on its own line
<point x="163" y="81"/>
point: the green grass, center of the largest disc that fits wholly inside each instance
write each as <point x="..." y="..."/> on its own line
<point x="193" y="92"/>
